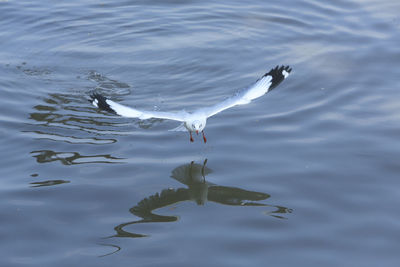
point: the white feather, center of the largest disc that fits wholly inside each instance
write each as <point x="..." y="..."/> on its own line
<point x="180" y="128"/>
<point x="196" y="121"/>
<point x="125" y="111"/>
<point x="240" y="98"/>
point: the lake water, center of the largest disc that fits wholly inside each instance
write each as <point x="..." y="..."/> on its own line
<point x="307" y="175"/>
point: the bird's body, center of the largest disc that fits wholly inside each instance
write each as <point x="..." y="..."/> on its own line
<point x="195" y="122"/>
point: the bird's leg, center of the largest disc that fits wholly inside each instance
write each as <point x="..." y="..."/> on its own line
<point x="204" y="137"/>
<point x="191" y="137"/>
<point x="202" y="170"/>
<point x="191" y="170"/>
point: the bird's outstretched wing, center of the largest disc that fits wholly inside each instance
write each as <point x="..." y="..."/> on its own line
<point x="265" y="84"/>
<point x="124" y="111"/>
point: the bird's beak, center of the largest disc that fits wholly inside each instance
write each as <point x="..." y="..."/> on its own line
<point x="197" y="131"/>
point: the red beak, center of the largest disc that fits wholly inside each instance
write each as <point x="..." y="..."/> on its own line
<point x="197" y="131"/>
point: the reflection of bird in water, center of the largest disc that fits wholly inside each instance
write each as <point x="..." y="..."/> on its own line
<point x="199" y="190"/>
<point x="195" y="122"/>
<point x="193" y="175"/>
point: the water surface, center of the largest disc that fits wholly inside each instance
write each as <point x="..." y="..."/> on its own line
<point x="307" y="174"/>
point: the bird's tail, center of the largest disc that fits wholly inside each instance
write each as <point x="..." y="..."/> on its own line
<point x="180" y="128"/>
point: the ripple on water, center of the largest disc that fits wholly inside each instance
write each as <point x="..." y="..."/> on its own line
<point x="311" y="168"/>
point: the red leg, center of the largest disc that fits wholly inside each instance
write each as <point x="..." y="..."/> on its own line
<point x="191" y="137"/>
<point x="204" y="137"/>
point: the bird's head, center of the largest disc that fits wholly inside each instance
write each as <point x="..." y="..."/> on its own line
<point x="198" y="126"/>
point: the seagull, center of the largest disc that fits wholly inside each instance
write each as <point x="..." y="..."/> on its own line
<point x="195" y="121"/>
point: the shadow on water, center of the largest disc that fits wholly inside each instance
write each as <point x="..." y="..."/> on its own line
<point x="198" y="190"/>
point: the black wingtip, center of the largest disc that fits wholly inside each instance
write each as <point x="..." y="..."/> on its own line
<point x="278" y="74"/>
<point x="100" y="101"/>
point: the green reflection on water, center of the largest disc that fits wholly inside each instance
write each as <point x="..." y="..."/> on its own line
<point x="198" y="190"/>
<point x="71" y="158"/>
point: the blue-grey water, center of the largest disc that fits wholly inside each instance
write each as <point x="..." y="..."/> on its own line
<point x="308" y="175"/>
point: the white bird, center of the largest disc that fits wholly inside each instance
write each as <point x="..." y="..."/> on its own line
<point x="196" y="121"/>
